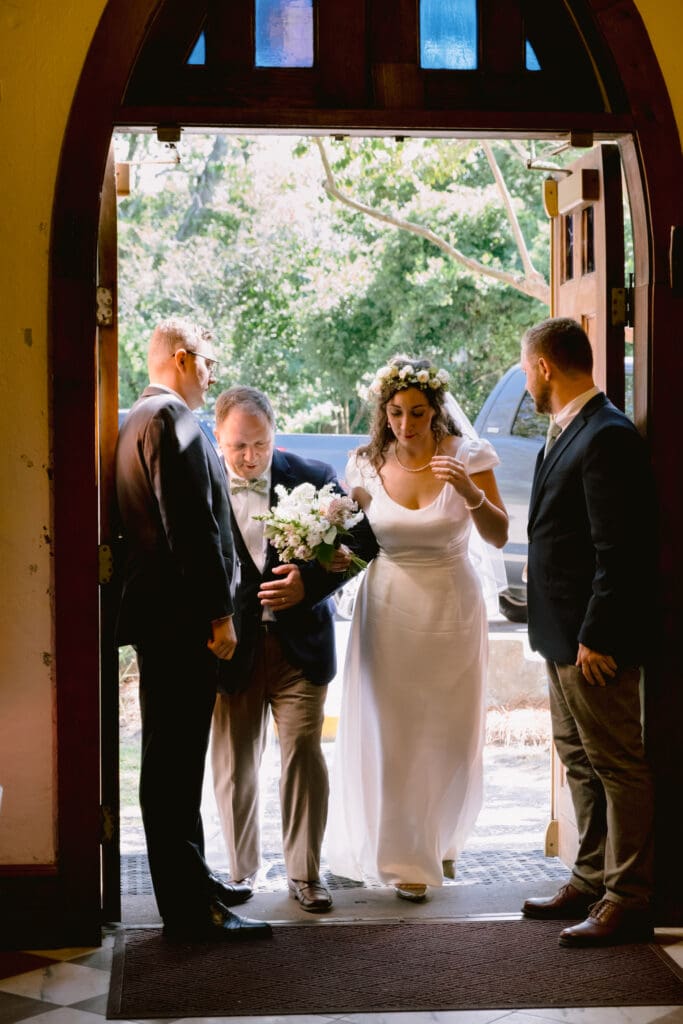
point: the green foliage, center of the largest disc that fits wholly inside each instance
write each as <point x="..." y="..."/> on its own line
<point x="306" y="296"/>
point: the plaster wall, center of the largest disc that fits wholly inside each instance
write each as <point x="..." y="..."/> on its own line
<point x="662" y="19"/>
<point x="43" y="44"/>
<point x="42" y="48"/>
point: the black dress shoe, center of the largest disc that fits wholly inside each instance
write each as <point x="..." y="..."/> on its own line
<point x="609" y="924"/>
<point x="230" y="893"/>
<point x="567" y="903"/>
<point x="310" y="895"/>
<point x="219" y="925"/>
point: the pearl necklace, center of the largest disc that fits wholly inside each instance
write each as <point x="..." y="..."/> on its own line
<point x="420" y="469"/>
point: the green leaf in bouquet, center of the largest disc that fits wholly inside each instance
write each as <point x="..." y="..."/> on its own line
<point x="325" y="553"/>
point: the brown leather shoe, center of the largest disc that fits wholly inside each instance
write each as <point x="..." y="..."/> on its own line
<point x="311" y="895"/>
<point x="567" y="903"/>
<point x="609" y="924"/>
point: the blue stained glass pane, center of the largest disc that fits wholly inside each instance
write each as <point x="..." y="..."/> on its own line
<point x="532" y="62"/>
<point x="198" y="55"/>
<point x="448" y="34"/>
<point x="284" y="33"/>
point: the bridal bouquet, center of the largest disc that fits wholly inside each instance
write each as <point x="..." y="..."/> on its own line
<point x="307" y="523"/>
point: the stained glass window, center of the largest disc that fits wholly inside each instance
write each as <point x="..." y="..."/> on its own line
<point x="448" y="34"/>
<point x="198" y="55"/>
<point x="532" y="62"/>
<point x="284" y="33"/>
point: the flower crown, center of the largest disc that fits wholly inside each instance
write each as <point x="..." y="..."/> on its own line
<point x="399" y="377"/>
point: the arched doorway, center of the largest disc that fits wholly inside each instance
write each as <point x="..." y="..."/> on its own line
<point x="621" y="59"/>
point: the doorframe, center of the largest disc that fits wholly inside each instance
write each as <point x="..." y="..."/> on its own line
<point x="73" y="892"/>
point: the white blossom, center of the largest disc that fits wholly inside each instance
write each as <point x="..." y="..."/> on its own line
<point x="306" y="519"/>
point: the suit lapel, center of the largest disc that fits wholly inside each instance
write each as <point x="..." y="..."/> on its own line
<point x="280" y="473"/>
<point x="544" y="465"/>
<point x="240" y="546"/>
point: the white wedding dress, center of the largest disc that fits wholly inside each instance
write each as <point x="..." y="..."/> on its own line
<point x="407" y="779"/>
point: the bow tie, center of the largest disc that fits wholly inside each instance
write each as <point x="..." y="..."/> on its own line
<point x="238" y="486"/>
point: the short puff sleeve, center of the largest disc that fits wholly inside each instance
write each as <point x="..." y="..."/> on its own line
<point x="360" y="473"/>
<point x="479" y="455"/>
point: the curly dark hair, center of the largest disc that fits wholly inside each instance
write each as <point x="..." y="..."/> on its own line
<point x="443" y="425"/>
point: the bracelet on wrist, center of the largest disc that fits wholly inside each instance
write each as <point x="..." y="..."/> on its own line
<point x="473" y="508"/>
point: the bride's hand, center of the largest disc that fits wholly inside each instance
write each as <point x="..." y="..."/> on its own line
<point x="452" y="471"/>
<point x="340" y="561"/>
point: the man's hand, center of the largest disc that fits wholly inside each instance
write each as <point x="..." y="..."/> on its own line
<point x="282" y="593"/>
<point x="223" y="638"/>
<point x="597" y="668"/>
<point x="340" y="561"/>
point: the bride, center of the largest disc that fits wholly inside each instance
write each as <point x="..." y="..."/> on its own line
<point x="407" y="778"/>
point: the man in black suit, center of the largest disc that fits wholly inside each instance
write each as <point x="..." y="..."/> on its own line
<point x="177" y="611"/>
<point x="284" y="660"/>
<point x="589" y="587"/>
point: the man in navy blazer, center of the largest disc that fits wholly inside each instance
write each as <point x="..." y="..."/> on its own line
<point x="177" y="611"/>
<point x="589" y="586"/>
<point x="285" y="658"/>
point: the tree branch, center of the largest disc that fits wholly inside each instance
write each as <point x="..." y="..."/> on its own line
<point x="534" y="287"/>
<point x="530" y="272"/>
<point x="206" y="183"/>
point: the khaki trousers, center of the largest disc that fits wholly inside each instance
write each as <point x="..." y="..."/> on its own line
<point x="240" y="725"/>
<point x="598" y="735"/>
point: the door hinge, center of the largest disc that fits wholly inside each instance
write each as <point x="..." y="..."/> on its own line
<point x="105" y="560"/>
<point x="622" y="307"/>
<point x="107" y="823"/>
<point x="630" y="293"/>
<point x="618" y="307"/>
<point x="104" y="312"/>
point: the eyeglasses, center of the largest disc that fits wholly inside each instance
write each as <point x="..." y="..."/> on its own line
<point x="210" y="363"/>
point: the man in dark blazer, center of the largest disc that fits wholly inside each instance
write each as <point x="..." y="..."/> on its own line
<point x="177" y="611"/>
<point x="589" y="587"/>
<point x="285" y="658"/>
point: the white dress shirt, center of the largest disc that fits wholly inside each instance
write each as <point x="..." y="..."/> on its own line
<point x="573" y="408"/>
<point x="245" y="505"/>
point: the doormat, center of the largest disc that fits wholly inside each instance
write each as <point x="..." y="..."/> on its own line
<point x="386" y="967"/>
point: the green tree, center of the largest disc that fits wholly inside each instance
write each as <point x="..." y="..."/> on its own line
<point x="429" y="247"/>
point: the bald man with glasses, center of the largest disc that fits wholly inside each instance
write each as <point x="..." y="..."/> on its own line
<point x="177" y="611"/>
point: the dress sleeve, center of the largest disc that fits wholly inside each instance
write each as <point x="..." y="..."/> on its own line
<point x="480" y="455"/>
<point x="358" y="473"/>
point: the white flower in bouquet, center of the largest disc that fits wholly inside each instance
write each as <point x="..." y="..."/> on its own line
<point x="307" y="523"/>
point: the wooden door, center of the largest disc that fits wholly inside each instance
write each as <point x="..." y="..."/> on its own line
<point x="107" y="431"/>
<point x="587" y="284"/>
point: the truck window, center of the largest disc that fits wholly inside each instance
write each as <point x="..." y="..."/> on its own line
<point x="528" y="422"/>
